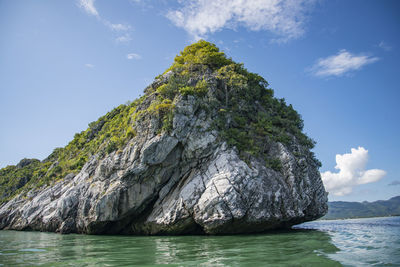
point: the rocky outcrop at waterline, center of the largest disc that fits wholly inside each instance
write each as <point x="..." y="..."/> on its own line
<point x="207" y="149"/>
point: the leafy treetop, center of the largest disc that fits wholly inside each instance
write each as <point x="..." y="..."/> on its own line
<point x="201" y="53"/>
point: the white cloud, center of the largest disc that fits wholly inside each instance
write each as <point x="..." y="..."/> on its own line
<point x="126" y="38"/>
<point x="88" y="7"/>
<point x="88" y="65"/>
<point x="384" y="46"/>
<point x="122" y="39"/>
<point x="118" y="26"/>
<point x="133" y="56"/>
<point x="341" y="63"/>
<point x="351" y="173"/>
<point x="284" y="18"/>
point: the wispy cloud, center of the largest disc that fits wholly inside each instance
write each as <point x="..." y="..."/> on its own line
<point x="89" y="8"/>
<point x="133" y="56"/>
<point x="385" y="46"/>
<point x="123" y="39"/>
<point x="351" y="173"/>
<point x="340" y="64"/>
<point x="396" y="182"/>
<point x="88" y="65"/>
<point x="284" y="18"/>
<point x="118" y="27"/>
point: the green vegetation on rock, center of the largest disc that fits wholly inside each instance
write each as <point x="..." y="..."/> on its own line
<point x="249" y="114"/>
<point x="109" y="133"/>
<point x="246" y="116"/>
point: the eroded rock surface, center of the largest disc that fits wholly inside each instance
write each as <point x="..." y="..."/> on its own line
<point x="183" y="182"/>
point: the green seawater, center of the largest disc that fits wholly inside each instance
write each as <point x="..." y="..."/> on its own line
<point x="320" y="243"/>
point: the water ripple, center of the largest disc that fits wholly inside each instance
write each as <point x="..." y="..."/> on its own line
<point x="365" y="242"/>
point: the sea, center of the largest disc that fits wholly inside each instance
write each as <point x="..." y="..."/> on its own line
<point x="351" y="242"/>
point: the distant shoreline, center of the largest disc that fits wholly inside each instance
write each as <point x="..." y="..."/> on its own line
<point x="358" y="210"/>
<point x="354" y="218"/>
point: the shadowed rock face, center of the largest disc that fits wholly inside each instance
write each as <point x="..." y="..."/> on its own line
<point x="184" y="181"/>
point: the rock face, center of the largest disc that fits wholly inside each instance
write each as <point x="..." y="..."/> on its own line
<point x="185" y="181"/>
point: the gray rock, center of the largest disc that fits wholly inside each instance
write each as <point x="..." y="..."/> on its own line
<point x="157" y="149"/>
<point x="186" y="181"/>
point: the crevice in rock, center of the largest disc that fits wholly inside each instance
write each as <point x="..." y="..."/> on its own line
<point x="126" y="225"/>
<point x="224" y="201"/>
<point x="202" y="180"/>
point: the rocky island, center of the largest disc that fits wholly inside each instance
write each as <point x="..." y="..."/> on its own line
<point x="206" y="150"/>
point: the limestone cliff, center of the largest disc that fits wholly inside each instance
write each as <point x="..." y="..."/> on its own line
<point x="207" y="149"/>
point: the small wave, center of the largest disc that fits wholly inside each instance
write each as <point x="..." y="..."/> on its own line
<point x="32" y="250"/>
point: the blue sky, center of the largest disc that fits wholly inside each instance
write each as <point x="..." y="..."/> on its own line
<point x="63" y="64"/>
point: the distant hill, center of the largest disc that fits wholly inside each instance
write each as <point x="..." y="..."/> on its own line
<point x="343" y="210"/>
